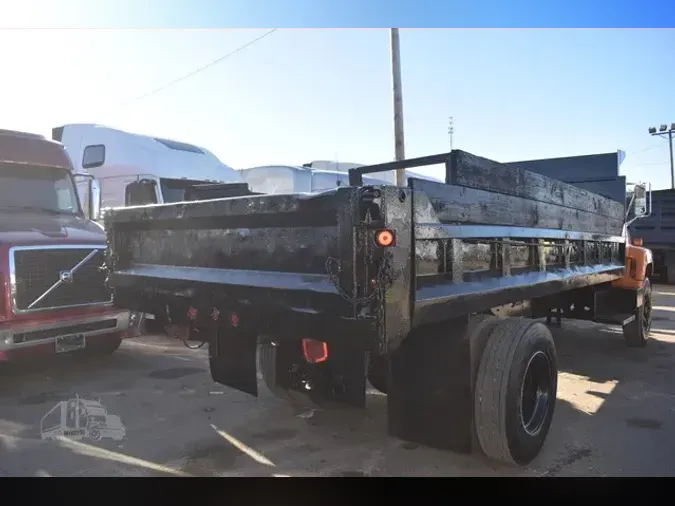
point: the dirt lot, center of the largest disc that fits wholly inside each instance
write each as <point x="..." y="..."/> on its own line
<point x="615" y="417"/>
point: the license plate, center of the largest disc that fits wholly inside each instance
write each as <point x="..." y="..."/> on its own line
<point x="69" y="343"/>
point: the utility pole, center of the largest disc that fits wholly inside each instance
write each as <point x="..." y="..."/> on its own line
<point x="451" y="130"/>
<point x="399" y="141"/>
<point x="664" y="130"/>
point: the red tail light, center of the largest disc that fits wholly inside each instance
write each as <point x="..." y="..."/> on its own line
<point x="314" y="351"/>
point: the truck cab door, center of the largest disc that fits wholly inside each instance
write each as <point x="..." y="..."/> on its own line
<point x="140" y="193"/>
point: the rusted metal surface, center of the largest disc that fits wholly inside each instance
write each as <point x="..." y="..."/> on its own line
<point x="287" y="249"/>
<point x="463" y="268"/>
<point x="398" y="310"/>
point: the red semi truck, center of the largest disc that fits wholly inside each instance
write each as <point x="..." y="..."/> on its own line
<point x="53" y="295"/>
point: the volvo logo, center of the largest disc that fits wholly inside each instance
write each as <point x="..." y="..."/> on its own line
<point x="66" y="277"/>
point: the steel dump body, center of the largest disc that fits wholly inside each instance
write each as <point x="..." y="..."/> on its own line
<point x="297" y="265"/>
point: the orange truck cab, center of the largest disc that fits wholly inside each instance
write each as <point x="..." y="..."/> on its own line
<point x="639" y="260"/>
<point x="53" y="293"/>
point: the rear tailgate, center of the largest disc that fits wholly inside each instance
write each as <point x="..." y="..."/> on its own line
<point x="279" y="253"/>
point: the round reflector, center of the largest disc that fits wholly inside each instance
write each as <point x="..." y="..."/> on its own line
<point x="384" y="238"/>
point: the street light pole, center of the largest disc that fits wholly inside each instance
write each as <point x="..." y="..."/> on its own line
<point x="399" y="140"/>
<point x="665" y="130"/>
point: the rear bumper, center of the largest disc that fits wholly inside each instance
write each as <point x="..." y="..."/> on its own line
<point x="22" y="339"/>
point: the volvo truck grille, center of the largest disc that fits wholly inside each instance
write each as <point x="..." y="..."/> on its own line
<point x="57" y="277"/>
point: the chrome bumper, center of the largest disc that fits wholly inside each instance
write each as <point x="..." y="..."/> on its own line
<point x="15" y="336"/>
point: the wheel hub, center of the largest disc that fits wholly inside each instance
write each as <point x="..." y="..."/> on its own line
<point x="535" y="393"/>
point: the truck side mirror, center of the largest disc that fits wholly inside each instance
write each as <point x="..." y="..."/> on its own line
<point x="641" y="208"/>
<point x="94" y="194"/>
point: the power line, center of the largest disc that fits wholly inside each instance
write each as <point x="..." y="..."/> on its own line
<point x="643" y="150"/>
<point x="204" y="67"/>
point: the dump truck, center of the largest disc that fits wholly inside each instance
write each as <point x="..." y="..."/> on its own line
<point x="435" y="293"/>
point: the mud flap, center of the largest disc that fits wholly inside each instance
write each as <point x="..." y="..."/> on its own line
<point x="232" y="360"/>
<point x="349" y="365"/>
<point x="429" y="389"/>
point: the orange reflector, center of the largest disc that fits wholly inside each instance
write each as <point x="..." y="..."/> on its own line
<point x="384" y="238"/>
<point x="314" y="351"/>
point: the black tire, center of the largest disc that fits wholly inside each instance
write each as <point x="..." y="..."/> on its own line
<point x="636" y="333"/>
<point x="103" y="346"/>
<point x="94" y="433"/>
<point x="515" y="391"/>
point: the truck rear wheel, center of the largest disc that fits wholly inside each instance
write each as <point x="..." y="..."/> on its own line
<point x="636" y="333"/>
<point x="515" y="391"/>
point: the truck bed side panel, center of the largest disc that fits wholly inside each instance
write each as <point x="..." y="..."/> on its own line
<point x="476" y="249"/>
<point x="479" y="173"/>
<point x="460" y="205"/>
<point x="596" y="173"/>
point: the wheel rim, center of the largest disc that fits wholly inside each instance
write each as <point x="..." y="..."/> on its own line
<point x="535" y="393"/>
<point x="647" y="314"/>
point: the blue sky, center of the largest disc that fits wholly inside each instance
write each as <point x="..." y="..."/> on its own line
<point x="309" y="94"/>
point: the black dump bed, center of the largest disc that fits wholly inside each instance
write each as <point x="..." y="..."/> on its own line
<point x="493" y="234"/>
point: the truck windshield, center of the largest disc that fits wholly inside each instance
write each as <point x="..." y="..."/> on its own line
<point x="40" y="189"/>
